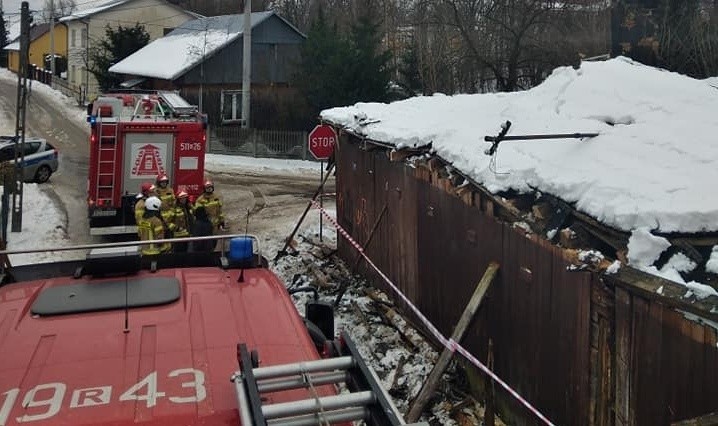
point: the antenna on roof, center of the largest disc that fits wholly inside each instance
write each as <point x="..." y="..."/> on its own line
<point x="127" y="308"/>
<point x="246" y="232"/>
<point x="496" y="140"/>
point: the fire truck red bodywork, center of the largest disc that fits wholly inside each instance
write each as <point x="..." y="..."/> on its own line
<point x="130" y="145"/>
<point x="164" y="365"/>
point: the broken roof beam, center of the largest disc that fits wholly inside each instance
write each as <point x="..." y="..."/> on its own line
<point x="671" y="294"/>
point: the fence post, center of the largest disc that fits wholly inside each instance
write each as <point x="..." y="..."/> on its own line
<point x="305" y="142"/>
<point x="252" y="135"/>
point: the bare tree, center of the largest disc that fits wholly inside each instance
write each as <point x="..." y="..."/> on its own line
<point x="61" y="8"/>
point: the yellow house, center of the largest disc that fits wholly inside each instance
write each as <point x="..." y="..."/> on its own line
<point x="39" y="45"/>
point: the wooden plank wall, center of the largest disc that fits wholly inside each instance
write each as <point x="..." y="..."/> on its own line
<point x="584" y="351"/>
<point x="667" y="365"/>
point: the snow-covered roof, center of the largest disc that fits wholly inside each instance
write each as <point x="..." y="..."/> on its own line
<point x="654" y="164"/>
<point x="174" y="54"/>
<point x="91" y="8"/>
<point x="36" y="31"/>
<point x="14" y="46"/>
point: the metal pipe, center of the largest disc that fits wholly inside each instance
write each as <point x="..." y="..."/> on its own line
<point x="242" y="401"/>
<point x="336" y="416"/>
<point x="338" y="363"/>
<point x="534" y="137"/>
<point x="126" y="244"/>
<point x="246" y="63"/>
<point x="315" y="405"/>
<point x="296" y="382"/>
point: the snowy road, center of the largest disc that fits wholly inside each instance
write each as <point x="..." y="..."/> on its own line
<point x="275" y="198"/>
<point x="44" y="118"/>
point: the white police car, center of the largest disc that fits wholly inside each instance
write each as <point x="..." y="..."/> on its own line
<point x="40" y="157"/>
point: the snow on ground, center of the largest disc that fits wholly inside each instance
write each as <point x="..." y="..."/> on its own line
<point x="402" y="363"/>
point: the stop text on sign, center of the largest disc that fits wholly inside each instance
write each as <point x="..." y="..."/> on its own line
<point x="322" y="140"/>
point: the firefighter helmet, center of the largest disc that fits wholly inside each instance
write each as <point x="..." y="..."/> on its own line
<point x="182" y="194"/>
<point x="162" y="178"/>
<point x="153" y="203"/>
<point x="146" y="187"/>
<point x="207" y="185"/>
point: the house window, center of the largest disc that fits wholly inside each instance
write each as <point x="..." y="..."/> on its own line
<point x="166" y="31"/>
<point x="73" y="35"/>
<point x="83" y="41"/>
<point x="231" y="108"/>
<point x="73" y="73"/>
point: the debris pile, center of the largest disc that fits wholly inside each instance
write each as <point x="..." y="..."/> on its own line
<point x="397" y="351"/>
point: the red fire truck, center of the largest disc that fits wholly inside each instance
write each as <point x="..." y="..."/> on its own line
<point x="205" y="338"/>
<point x="134" y="138"/>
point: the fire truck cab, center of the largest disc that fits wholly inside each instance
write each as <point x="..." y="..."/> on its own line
<point x="134" y="138"/>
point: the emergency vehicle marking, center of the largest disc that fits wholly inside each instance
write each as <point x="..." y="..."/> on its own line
<point x="191" y="146"/>
<point x="37" y="157"/>
<point x="149" y="160"/>
<point x="144" y="390"/>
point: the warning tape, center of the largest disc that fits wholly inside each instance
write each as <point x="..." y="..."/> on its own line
<point x="450" y="344"/>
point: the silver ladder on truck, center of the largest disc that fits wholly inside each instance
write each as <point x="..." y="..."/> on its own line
<point x="366" y="399"/>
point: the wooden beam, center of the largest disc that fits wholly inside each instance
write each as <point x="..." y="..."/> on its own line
<point x="707" y="420"/>
<point x="672" y="294"/>
<point x="431" y="382"/>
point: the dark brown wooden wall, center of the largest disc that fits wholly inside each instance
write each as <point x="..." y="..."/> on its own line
<point x="575" y="346"/>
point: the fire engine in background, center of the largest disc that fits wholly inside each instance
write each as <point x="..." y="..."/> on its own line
<point x="134" y="138"/>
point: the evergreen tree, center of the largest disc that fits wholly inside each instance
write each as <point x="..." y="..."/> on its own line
<point x="322" y="71"/>
<point x="118" y="44"/>
<point x="3" y="39"/>
<point x="409" y="71"/>
<point x="370" y="63"/>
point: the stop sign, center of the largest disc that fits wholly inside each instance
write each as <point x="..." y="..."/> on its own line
<point x="321" y="141"/>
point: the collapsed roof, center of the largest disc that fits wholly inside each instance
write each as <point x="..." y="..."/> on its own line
<point x="650" y="170"/>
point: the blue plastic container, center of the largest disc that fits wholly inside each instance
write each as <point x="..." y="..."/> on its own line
<point x="240" y="249"/>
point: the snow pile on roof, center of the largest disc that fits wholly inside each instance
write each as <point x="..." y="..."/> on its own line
<point x="653" y="165"/>
<point x="88" y="8"/>
<point x="172" y="55"/>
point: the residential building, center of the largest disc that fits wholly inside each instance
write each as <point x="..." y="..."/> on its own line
<point x="40" y="47"/>
<point x="203" y="60"/>
<point x="86" y="27"/>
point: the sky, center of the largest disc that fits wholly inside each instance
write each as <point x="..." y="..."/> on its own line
<point x="652" y="167"/>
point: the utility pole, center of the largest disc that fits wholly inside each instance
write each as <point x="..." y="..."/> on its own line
<point x="246" y="62"/>
<point x="25" y="20"/>
<point x="52" y="41"/>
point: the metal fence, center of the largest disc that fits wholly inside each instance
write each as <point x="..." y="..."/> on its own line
<point x="259" y="143"/>
<point x="70" y="90"/>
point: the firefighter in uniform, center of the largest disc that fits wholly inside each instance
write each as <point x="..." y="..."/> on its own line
<point x="146" y="190"/>
<point x="164" y="192"/>
<point x="153" y="227"/>
<point x="183" y="220"/>
<point x="212" y="204"/>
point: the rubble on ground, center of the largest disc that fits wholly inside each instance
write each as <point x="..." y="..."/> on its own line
<point x="399" y="354"/>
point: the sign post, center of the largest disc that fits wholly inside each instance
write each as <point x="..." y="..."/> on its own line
<point x="322" y="140"/>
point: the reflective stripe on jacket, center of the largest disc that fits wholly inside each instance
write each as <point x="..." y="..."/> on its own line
<point x="151" y="228"/>
<point x="213" y="205"/>
<point x="167" y="196"/>
<point x="182" y="219"/>
<point x="139" y="210"/>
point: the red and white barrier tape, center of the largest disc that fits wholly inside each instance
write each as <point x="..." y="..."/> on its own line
<point x="450" y="344"/>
